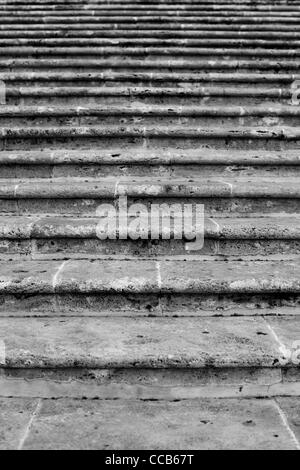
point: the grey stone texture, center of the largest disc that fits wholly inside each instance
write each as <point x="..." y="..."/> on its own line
<point x="186" y="103"/>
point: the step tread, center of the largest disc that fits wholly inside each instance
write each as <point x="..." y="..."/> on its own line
<point x="139" y="41"/>
<point x="141" y="155"/>
<point x="151" y="26"/>
<point x="140" y="35"/>
<point x="134" y="424"/>
<point x="143" y="187"/>
<point x="43" y="50"/>
<point x="147" y="276"/>
<point x="125" y="62"/>
<point x="128" y="342"/>
<point x="188" y="77"/>
<point x="151" y="110"/>
<point x="159" y="131"/>
<point x="222" y="91"/>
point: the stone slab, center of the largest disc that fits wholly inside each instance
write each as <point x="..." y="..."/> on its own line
<point x="157" y="343"/>
<point x="183" y="276"/>
<point x="229" y="276"/>
<point x="15" y="415"/>
<point x="136" y="425"/>
<point x="291" y="408"/>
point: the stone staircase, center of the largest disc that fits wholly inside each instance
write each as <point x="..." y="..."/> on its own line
<point x="187" y="102"/>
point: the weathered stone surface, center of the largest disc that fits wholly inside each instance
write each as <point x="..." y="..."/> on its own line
<point x="233" y="228"/>
<point x="161" y="102"/>
<point x="32" y="278"/>
<point x="146" y="276"/>
<point x="139" y="342"/>
<point x="88" y="188"/>
<point x="290" y="407"/>
<point x="108" y="276"/>
<point x="15" y="415"/>
<point x="262" y="133"/>
<point x="287" y="332"/>
<point x="134" y="154"/>
<point x="149" y="110"/>
<point x="130" y="424"/>
<point x="147" y="384"/>
<point x="197" y="276"/>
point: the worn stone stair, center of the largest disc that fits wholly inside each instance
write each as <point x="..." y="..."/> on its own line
<point x="186" y="102"/>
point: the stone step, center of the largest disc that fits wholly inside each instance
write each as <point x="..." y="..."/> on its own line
<point x="150" y="288"/>
<point x="199" y="37"/>
<point x="282" y="227"/>
<point x="139" y="65"/>
<point x="132" y="7"/>
<point x="156" y="6"/>
<point x="168" y="29"/>
<point x="137" y="42"/>
<point x="146" y="3"/>
<point x="147" y="18"/>
<point x="134" y="12"/>
<point x="114" y="358"/>
<point x="151" y="157"/>
<point x="177" y="6"/>
<point x="157" y="52"/>
<point x="129" y="424"/>
<point x="174" y="136"/>
<point x="180" y="80"/>
<point x="40" y="237"/>
<point x="151" y="115"/>
<point x="178" y="277"/>
<point x="82" y="196"/>
<point x="123" y="96"/>
<point x="184" y="18"/>
<point x="123" y="343"/>
<point x="144" y="188"/>
<point x="136" y="162"/>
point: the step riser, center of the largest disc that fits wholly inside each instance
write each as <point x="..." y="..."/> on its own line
<point x="130" y="16"/>
<point x="150" y="63"/>
<point x="169" y="6"/>
<point x="137" y="42"/>
<point x="174" y="384"/>
<point x="146" y="3"/>
<point x="14" y="36"/>
<point x="135" y="12"/>
<point x="178" y="6"/>
<point x="173" y="20"/>
<point x="136" y="120"/>
<point x="257" y="67"/>
<point x="156" y="78"/>
<point x="137" y="81"/>
<point x="88" y="8"/>
<point x="57" y="143"/>
<point x="153" y="26"/>
<point x="163" y="100"/>
<point x="151" y="52"/>
<point x="149" y="305"/>
<point x="56" y="249"/>
<point x="156" y="171"/>
<point x="147" y="53"/>
<point x="88" y="207"/>
<point x="192" y="20"/>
